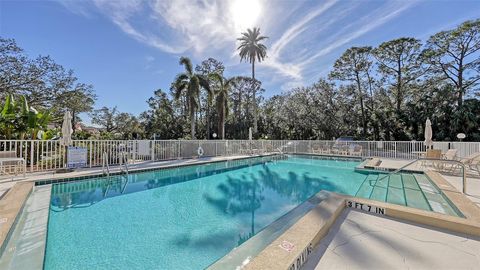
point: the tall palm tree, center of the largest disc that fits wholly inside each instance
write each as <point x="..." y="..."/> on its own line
<point x="251" y="49"/>
<point x="190" y="83"/>
<point x="221" y="100"/>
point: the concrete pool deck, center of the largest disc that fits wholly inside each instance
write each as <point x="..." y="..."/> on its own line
<point x="360" y="240"/>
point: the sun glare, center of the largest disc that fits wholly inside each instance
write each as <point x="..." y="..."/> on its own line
<point x="245" y="13"/>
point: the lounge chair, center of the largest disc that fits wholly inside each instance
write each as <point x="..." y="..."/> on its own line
<point x="10" y="162"/>
<point x="356" y="150"/>
<point x="471" y="161"/>
<point x="468" y="159"/>
<point x="451" y="154"/>
<point x="317" y="149"/>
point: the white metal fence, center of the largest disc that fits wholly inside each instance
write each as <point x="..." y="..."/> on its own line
<point x="50" y="155"/>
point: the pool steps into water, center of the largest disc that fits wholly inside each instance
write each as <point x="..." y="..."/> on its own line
<point x="413" y="190"/>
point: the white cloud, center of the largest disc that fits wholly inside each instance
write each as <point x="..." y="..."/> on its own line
<point x="361" y="27"/>
<point x="298" y="28"/>
<point x="299" y="32"/>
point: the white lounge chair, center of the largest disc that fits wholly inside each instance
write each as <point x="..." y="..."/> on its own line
<point x="451" y="154"/>
<point x="471" y="161"/>
<point x="356" y="150"/>
<point x="9" y="161"/>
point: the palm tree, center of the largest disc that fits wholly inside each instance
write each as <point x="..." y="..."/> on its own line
<point x="190" y="83"/>
<point x="221" y="100"/>
<point x="252" y="50"/>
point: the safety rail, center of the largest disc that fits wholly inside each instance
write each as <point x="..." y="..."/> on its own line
<point x="464" y="175"/>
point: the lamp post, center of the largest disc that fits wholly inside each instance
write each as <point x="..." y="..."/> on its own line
<point x="214" y="135"/>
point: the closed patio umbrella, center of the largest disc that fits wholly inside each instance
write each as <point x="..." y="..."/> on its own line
<point x="66" y="139"/>
<point x="428" y="134"/>
<point x="67" y="130"/>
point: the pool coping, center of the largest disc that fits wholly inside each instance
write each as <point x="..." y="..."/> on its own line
<point x="26" y="250"/>
<point x="11" y="207"/>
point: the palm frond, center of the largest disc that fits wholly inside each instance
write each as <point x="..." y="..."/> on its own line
<point x="187" y="63"/>
<point x="204" y="83"/>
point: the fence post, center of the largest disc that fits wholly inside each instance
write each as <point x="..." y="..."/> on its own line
<point x="395" y="149"/>
<point x="153" y="150"/>
<point x="31" y="155"/>
<point x="91" y="152"/>
<point x="134" y="149"/>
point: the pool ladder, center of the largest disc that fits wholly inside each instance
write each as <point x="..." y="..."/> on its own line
<point x="123" y="162"/>
<point x="105" y="166"/>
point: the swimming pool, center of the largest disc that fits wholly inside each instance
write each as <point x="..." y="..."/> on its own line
<point x="189" y="217"/>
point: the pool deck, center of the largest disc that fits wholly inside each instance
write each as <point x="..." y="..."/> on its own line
<point x="360" y="240"/>
<point x="370" y="236"/>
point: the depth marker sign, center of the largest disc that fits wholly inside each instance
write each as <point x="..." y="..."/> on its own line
<point x="366" y="207"/>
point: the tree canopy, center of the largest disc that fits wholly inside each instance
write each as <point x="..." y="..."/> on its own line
<point x="372" y="93"/>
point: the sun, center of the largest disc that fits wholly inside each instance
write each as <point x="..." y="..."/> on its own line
<point x="245" y="13"/>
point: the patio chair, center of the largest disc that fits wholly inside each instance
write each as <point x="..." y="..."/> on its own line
<point x="341" y="150"/>
<point x="451" y="154"/>
<point x="433" y="154"/>
<point x="356" y="150"/>
<point x="9" y="161"/>
<point x="468" y="159"/>
<point x="325" y="149"/>
<point x="268" y="148"/>
<point x="471" y="161"/>
<point x="316" y="149"/>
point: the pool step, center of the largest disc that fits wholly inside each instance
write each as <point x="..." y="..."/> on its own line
<point x="413" y="190"/>
<point x="435" y="199"/>
<point x="366" y="188"/>
<point x="413" y="195"/>
<point x="380" y="189"/>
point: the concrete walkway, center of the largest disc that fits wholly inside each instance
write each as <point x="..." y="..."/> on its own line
<point x="364" y="241"/>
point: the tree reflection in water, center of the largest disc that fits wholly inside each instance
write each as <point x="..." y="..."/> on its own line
<point x="246" y="193"/>
<point x="239" y="195"/>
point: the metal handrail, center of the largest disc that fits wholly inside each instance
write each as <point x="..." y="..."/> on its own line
<point x="124" y="162"/>
<point x="464" y="176"/>
<point x="105" y="163"/>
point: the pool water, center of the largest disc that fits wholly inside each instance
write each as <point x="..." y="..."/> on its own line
<point x="189" y="217"/>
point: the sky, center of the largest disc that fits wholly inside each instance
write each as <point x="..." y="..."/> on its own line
<point x="128" y="48"/>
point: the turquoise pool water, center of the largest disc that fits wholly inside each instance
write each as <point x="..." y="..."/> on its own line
<point x="189" y="217"/>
